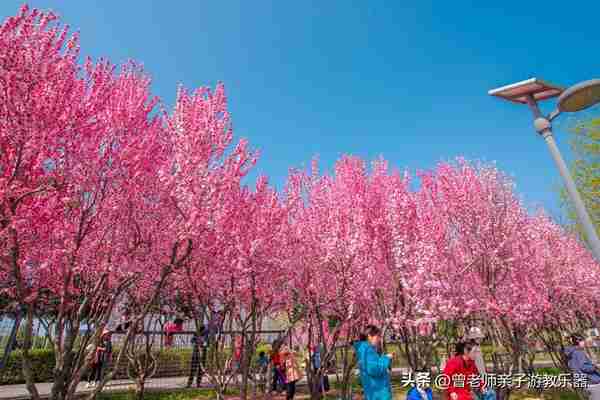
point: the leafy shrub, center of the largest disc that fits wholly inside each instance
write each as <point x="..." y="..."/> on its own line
<point x="42" y="361"/>
<point x="171" y="362"/>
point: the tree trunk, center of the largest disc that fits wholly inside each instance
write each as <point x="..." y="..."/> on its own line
<point x="27" y="364"/>
<point x="347" y="370"/>
<point x="140" y="385"/>
<point x="63" y="373"/>
<point x="244" y="380"/>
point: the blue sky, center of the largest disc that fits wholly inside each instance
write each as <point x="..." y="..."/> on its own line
<point x="407" y="80"/>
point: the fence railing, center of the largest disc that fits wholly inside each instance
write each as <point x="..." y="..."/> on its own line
<point x="173" y="357"/>
<point x="183" y="339"/>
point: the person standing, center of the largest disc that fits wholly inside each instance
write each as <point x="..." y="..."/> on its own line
<point x="215" y="324"/>
<point x="374" y="368"/>
<point x="292" y="371"/>
<point x="316" y="364"/>
<point x="475" y="336"/>
<point x="580" y="363"/>
<point x="237" y="353"/>
<point x="235" y="363"/>
<point x="196" y="363"/>
<point x="460" y="369"/>
<point x="276" y="362"/>
<point x="102" y="357"/>
<point x="125" y="322"/>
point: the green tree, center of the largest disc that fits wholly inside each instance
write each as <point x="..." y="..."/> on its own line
<point x="585" y="168"/>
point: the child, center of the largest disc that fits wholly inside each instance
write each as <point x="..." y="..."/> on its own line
<point x="420" y="392"/>
<point x="263" y="362"/>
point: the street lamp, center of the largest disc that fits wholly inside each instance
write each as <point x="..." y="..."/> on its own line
<point x="576" y="98"/>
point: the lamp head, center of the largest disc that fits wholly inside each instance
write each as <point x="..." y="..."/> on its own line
<point x="580" y="96"/>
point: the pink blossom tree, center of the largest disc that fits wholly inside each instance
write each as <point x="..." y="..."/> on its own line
<point x="202" y="185"/>
<point x="256" y="275"/>
<point x="328" y="269"/>
<point x="65" y="132"/>
<point x="509" y="271"/>
<point x="98" y="193"/>
<point x="242" y="276"/>
<point x="481" y="248"/>
<point x="563" y="300"/>
<point x="401" y="232"/>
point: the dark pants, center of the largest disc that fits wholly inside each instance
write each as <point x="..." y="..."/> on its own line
<point x="277" y="379"/>
<point x="96" y="372"/>
<point x="324" y="385"/>
<point x="291" y="390"/>
<point x="197" y="365"/>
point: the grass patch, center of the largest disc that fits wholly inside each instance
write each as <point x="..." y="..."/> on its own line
<point x="187" y="394"/>
<point x="548" y="371"/>
<point x="548" y="395"/>
<point x="179" y="394"/>
<point x="399" y="393"/>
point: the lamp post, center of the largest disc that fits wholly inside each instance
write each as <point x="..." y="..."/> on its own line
<point x="576" y="98"/>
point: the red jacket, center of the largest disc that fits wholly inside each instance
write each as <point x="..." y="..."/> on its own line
<point x="276" y="358"/>
<point x="455" y="367"/>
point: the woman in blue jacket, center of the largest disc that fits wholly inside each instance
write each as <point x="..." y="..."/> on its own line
<point x="374" y="368"/>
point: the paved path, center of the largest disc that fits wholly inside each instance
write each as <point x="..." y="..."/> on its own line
<point x="14" y="392"/>
<point x="19" y="392"/>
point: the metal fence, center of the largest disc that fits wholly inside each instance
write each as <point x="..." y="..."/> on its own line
<point x="173" y="357"/>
